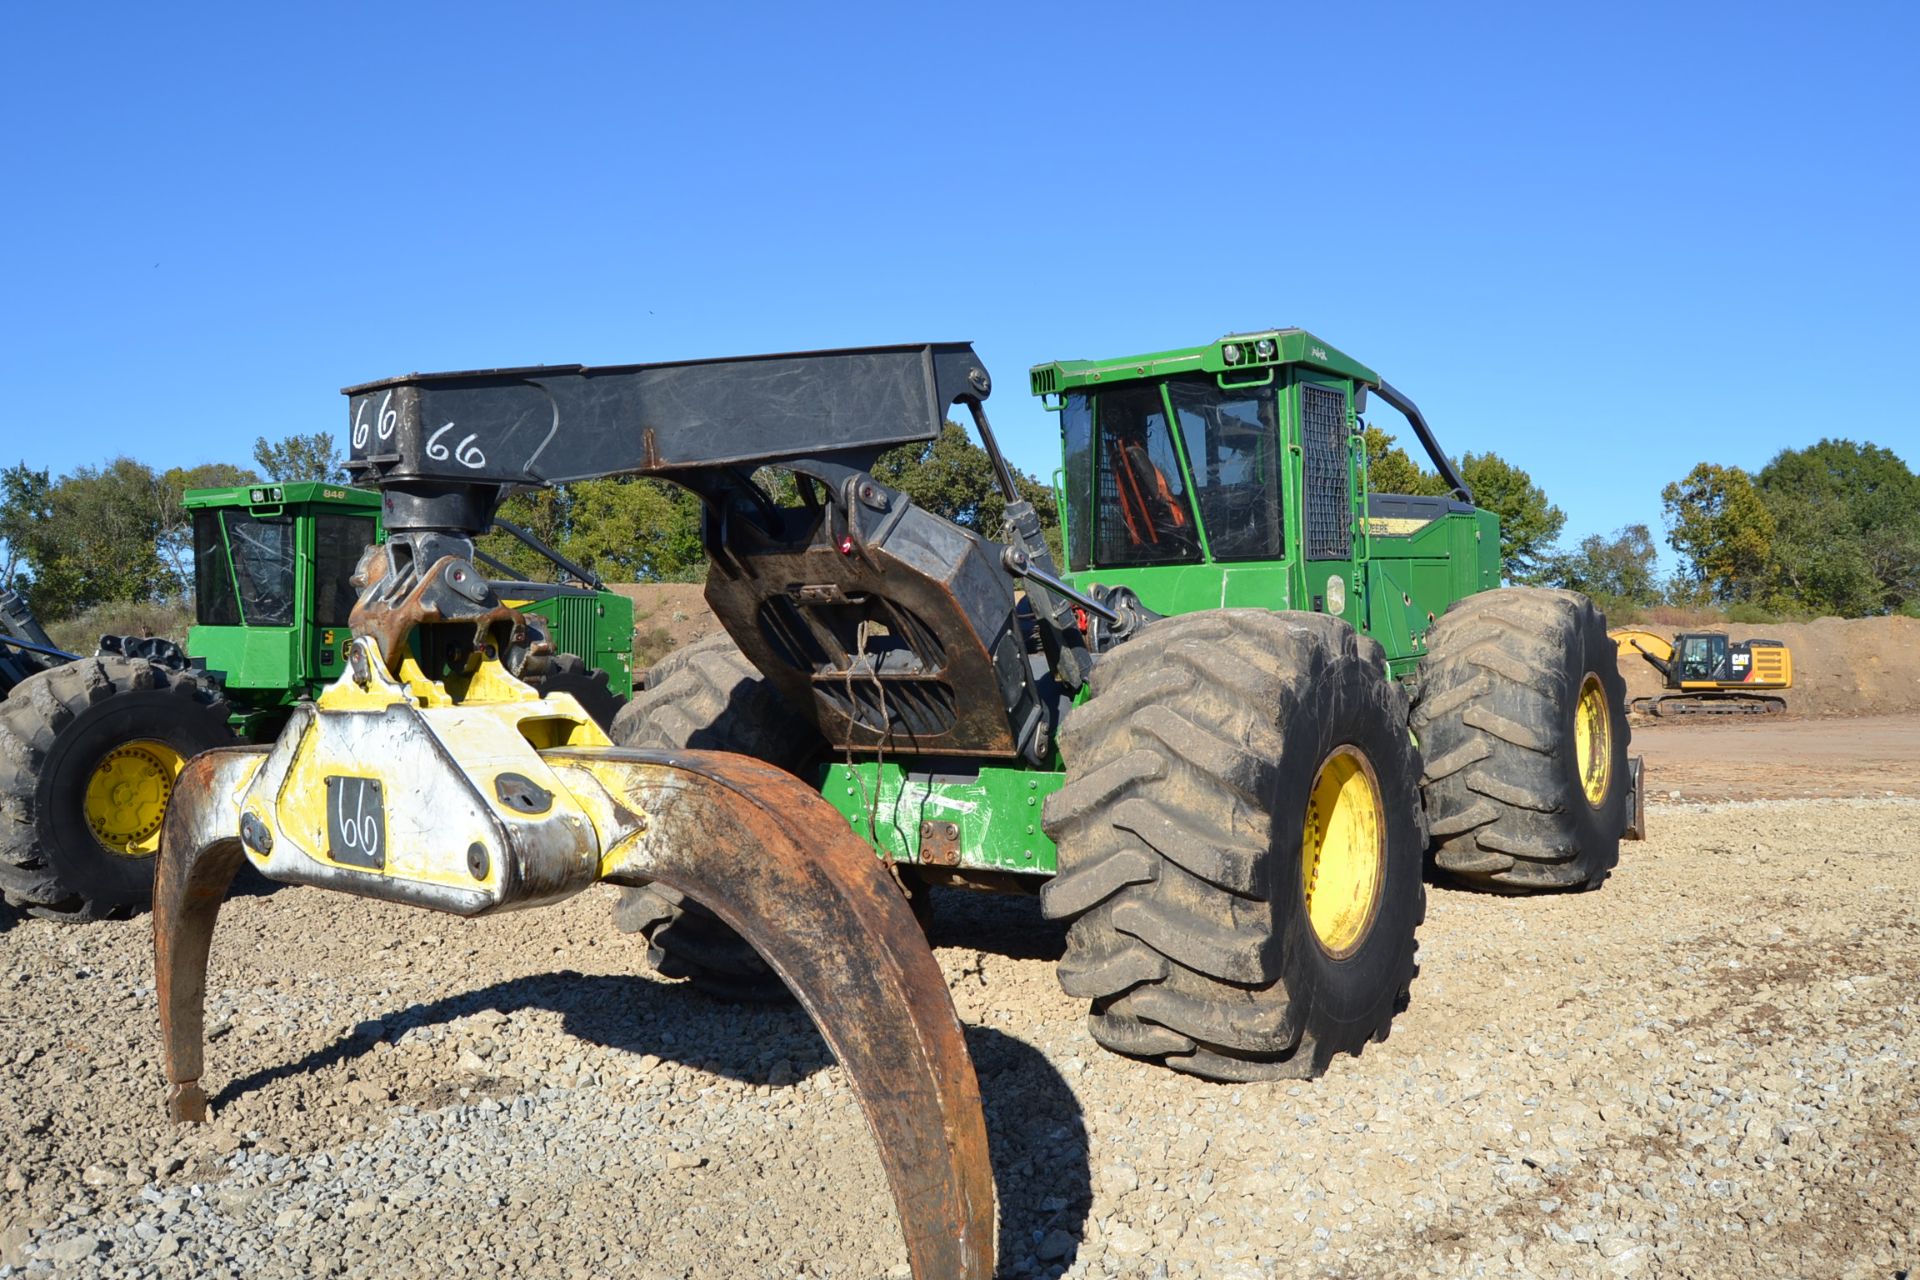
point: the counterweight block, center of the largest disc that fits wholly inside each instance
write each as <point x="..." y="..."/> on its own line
<point x="551" y="809"/>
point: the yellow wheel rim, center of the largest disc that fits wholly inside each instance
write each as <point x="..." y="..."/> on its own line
<point x="1593" y="741"/>
<point x="1343" y="853"/>
<point x="127" y="797"/>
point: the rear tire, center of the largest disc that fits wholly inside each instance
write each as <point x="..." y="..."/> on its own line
<point x="1184" y="845"/>
<point x="1521" y="796"/>
<point x="708" y="697"/>
<point x="569" y="673"/>
<point x="57" y="729"/>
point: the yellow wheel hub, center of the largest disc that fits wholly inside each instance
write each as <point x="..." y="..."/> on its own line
<point x="1593" y="741"/>
<point x="127" y="796"/>
<point x="1344" y="852"/>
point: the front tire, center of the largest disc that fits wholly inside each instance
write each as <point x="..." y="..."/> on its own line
<point x="1240" y="845"/>
<point x="88" y="755"/>
<point x="708" y="697"/>
<point x="1522" y="721"/>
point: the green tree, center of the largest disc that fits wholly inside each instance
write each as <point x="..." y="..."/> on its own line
<point x="26" y="501"/>
<point x="1529" y="523"/>
<point x="541" y="512"/>
<point x="625" y="528"/>
<point x="1716" y="520"/>
<point x="606" y="515"/>
<point x="1846" y="528"/>
<point x="98" y="541"/>
<point x="298" y="457"/>
<point x="1614" y="571"/>
<point x="1390" y="470"/>
<point x="952" y="476"/>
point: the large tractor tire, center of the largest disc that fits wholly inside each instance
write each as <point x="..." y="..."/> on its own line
<point x="88" y="755"/>
<point x="569" y="673"/>
<point x="1522" y="721"/>
<point x="1240" y="845"/>
<point x="708" y="697"/>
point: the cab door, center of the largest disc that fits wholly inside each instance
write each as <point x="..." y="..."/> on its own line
<point x="338" y="541"/>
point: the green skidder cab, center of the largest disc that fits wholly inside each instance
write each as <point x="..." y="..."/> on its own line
<point x="272" y="574"/>
<point x="1234" y="475"/>
<point x="273" y="577"/>
<point x="90" y="747"/>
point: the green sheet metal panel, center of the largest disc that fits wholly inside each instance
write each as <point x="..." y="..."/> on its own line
<point x="994" y="816"/>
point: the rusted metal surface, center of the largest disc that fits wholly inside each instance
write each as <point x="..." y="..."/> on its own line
<point x="395" y="599"/>
<point x="906" y="641"/>
<point x="1636" y="800"/>
<point x="940" y="842"/>
<point x="768" y="856"/>
<point x="199" y="853"/>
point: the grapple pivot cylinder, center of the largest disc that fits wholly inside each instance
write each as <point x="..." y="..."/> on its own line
<point x="551" y="808"/>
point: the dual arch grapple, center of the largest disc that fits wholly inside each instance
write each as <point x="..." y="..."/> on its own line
<point x="432" y="774"/>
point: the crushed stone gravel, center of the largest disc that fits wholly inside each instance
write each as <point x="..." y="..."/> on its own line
<point x="1705" y="1068"/>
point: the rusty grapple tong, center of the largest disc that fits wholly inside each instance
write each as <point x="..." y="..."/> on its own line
<point x="477" y="795"/>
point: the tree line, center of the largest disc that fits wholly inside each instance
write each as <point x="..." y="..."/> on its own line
<point x="118" y="533"/>
<point x="1833" y="528"/>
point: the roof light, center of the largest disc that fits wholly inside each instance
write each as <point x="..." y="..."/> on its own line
<point x="1231" y="353"/>
<point x="1264" y="348"/>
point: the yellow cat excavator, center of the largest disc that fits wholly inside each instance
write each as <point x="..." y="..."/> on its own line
<point x="1705" y="672"/>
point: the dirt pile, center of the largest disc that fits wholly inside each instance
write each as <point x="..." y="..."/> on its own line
<point x="666" y="616"/>
<point x="1841" y="666"/>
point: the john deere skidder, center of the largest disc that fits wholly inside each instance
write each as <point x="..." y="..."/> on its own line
<point x="1203" y="744"/>
<point x="90" y="746"/>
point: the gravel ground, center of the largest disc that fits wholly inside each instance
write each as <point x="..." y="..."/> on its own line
<point x="1704" y="1069"/>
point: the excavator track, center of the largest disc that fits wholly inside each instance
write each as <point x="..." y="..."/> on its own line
<point x="1725" y="703"/>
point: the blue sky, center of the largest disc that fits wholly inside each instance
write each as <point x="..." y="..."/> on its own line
<point x="1604" y="241"/>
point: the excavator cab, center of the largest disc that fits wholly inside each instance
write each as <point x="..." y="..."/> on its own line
<point x="1703" y="656"/>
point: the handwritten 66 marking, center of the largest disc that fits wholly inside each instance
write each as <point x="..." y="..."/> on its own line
<point x="466" y="453"/>
<point x="384" y="422"/>
<point x="360" y="833"/>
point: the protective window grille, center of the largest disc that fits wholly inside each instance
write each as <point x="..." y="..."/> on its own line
<point x="1113" y="534"/>
<point x="1329" y="501"/>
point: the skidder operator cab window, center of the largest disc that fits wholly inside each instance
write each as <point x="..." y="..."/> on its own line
<point x="1138" y="509"/>
<point x="1232" y="441"/>
<point x="242" y="569"/>
<point x="215" y="603"/>
<point x="1143" y="515"/>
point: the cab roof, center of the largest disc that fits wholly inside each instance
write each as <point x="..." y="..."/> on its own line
<point x="274" y="493"/>
<point x="1261" y="349"/>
